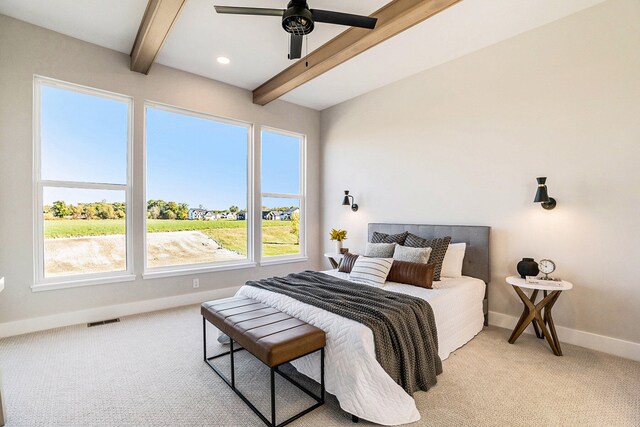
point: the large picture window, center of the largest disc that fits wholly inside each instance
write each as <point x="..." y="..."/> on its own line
<point x="197" y="193"/>
<point x="82" y="140"/>
<point x="283" y="194"/>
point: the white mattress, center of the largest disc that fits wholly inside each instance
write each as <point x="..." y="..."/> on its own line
<point x="456" y="304"/>
<point x="352" y="372"/>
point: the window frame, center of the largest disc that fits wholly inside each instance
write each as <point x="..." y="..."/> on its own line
<point x="40" y="282"/>
<point x="302" y="197"/>
<point x="187" y="269"/>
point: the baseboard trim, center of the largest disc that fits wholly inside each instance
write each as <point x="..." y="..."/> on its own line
<point x="26" y="326"/>
<point x="615" y="346"/>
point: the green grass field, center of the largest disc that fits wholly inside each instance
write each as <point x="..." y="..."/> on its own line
<point x="276" y="236"/>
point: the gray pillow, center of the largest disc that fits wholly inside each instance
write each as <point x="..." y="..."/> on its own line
<point x="389" y="238"/>
<point x="380" y="250"/>
<point x="418" y="255"/>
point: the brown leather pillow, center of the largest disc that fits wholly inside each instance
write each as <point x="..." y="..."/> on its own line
<point x="347" y="262"/>
<point x="412" y="273"/>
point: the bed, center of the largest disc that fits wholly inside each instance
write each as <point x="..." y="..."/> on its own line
<point x="353" y="374"/>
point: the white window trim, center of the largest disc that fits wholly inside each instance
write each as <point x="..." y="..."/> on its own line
<point x="302" y="197"/>
<point x="40" y="282"/>
<point x="187" y="269"/>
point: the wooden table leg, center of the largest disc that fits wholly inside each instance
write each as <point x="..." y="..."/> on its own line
<point x="534" y="295"/>
<point x="538" y="315"/>
<point x="527" y="316"/>
<point x="548" y="319"/>
<point x="533" y="312"/>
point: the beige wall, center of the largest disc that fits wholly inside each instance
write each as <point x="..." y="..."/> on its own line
<point x="462" y="144"/>
<point x="26" y="50"/>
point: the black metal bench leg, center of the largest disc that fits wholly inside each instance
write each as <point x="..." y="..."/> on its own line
<point x="322" y="389"/>
<point x="233" y="369"/>
<point x="273" y="398"/>
<point x="204" y="336"/>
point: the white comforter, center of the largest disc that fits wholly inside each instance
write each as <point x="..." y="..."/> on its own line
<point x="352" y="373"/>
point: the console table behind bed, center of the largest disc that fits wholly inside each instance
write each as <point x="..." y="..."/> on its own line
<point x="476" y="258"/>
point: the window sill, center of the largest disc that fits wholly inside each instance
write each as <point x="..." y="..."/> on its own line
<point x="280" y="260"/>
<point x="156" y="274"/>
<point x="50" y="286"/>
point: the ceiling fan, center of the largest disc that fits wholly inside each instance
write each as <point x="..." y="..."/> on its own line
<point x="298" y="20"/>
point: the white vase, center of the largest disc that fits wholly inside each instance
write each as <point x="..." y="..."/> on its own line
<point x="338" y="246"/>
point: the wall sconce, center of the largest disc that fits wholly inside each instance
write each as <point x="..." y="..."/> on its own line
<point x="347" y="202"/>
<point x="542" y="195"/>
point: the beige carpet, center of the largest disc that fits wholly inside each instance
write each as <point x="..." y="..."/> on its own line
<point x="147" y="370"/>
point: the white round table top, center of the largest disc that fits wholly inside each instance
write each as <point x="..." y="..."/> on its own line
<point x="549" y="286"/>
<point x="334" y="255"/>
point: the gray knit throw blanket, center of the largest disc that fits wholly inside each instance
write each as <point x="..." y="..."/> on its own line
<point x="403" y="326"/>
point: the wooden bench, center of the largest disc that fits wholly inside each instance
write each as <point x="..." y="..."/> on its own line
<point x="271" y="336"/>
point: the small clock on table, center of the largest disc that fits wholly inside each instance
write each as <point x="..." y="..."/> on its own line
<point x="547" y="267"/>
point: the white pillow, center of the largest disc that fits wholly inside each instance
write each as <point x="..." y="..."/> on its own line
<point x="371" y="271"/>
<point x="405" y="253"/>
<point x="453" y="258"/>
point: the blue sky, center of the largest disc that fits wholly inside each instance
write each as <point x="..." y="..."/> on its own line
<point x="190" y="160"/>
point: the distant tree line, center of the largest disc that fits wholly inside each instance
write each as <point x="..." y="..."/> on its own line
<point x="159" y="209"/>
<point x="95" y="210"/>
<point x="156" y="209"/>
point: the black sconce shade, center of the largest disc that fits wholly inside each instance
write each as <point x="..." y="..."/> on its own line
<point x="347" y="202"/>
<point x="542" y="195"/>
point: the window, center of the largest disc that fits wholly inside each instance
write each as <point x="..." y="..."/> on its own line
<point x="283" y="194"/>
<point x="197" y="193"/>
<point x="82" y="184"/>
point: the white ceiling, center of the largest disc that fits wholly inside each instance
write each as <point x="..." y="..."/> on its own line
<point x="257" y="46"/>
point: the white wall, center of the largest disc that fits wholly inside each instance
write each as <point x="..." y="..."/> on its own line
<point x="26" y="50"/>
<point x="463" y="143"/>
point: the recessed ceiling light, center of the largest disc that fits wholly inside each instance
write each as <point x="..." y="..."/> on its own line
<point x="223" y="60"/>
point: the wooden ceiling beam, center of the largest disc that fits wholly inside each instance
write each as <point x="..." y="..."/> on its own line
<point x="157" y="21"/>
<point x="393" y="18"/>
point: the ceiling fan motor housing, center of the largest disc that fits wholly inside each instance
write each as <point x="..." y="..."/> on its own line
<point x="297" y="19"/>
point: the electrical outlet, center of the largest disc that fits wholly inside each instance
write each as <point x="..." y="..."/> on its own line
<point x="196" y="283"/>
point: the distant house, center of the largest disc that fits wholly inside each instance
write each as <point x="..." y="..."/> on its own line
<point x="265" y="214"/>
<point x="274" y="216"/>
<point x="289" y="213"/>
<point x="210" y="216"/>
<point x="196" y="213"/>
<point x="241" y="216"/>
<point x="231" y="216"/>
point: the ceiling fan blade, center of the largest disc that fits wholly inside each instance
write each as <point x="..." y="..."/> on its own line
<point x="331" y="17"/>
<point x="295" y="50"/>
<point x="249" y="11"/>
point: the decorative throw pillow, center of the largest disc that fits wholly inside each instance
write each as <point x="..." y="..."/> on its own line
<point x="452" y="263"/>
<point x="389" y="238"/>
<point x="412" y="273"/>
<point x="372" y="271"/>
<point x="380" y="250"/>
<point x="438" y="247"/>
<point x="347" y="263"/>
<point x="405" y="253"/>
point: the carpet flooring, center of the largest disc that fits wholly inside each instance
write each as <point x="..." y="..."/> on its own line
<point x="147" y="370"/>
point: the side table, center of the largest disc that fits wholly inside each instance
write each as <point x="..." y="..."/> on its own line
<point x="539" y="314"/>
<point x="334" y="258"/>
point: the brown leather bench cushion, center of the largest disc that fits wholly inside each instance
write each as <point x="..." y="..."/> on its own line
<point x="269" y="334"/>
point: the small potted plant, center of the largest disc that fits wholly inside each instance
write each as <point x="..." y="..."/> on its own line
<point x="338" y="236"/>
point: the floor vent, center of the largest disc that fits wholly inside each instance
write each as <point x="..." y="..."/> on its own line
<point x="102" y="322"/>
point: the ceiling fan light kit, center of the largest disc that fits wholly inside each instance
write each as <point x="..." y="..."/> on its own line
<point x="298" y="20"/>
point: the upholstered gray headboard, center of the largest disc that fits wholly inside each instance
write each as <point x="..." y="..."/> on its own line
<point x="476" y="258"/>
